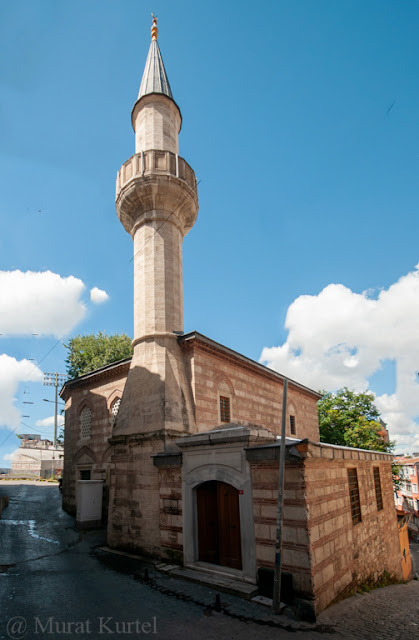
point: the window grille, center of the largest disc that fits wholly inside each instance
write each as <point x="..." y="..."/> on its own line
<point x="292" y="425"/>
<point x="354" y="496"/>
<point x="86" y="421"/>
<point x="224" y="409"/>
<point x="115" y="407"/>
<point x="378" y="493"/>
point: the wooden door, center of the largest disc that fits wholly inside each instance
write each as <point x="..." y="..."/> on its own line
<point x="206" y="496"/>
<point x="219" y="539"/>
<point x="229" y="526"/>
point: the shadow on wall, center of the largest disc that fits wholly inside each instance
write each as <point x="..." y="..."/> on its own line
<point x="148" y="404"/>
<point x="151" y="404"/>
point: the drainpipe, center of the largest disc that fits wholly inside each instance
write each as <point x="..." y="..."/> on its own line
<point x="276" y="603"/>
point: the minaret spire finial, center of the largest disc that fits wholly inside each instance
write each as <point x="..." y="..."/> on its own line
<point x="154" y="29"/>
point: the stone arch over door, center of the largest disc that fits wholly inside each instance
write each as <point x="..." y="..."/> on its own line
<point x="241" y="481"/>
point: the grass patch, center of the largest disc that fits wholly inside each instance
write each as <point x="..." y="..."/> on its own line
<point x="383" y="580"/>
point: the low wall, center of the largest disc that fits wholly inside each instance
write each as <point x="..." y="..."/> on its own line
<point x="35" y="475"/>
<point x="405" y="549"/>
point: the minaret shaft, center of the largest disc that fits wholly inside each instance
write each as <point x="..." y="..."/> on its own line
<point x="157" y="203"/>
<point x="158" y="282"/>
<point x="156" y="124"/>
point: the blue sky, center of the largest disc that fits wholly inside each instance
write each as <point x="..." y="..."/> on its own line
<point x="300" y="121"/>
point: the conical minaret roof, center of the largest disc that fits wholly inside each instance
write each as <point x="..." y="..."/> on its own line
<point x="154" y="77"/>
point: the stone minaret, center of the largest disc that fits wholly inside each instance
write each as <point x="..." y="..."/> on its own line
<point x="157" y="203"/>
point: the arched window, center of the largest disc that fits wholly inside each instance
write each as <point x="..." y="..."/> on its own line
<point x="225" y="402"/>
<point x="115" y="408"/>
<point x="85" y="422"/>
<point x="292" y="419"/>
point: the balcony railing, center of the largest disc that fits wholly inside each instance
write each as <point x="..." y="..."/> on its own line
<point x="154" y="162"/>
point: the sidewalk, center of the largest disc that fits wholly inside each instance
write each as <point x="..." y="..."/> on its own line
<point x="210" y="599"/>
<point x="383" y="614"/>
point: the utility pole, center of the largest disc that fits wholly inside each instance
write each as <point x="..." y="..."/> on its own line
<point x="276" y="601"/>
<point x="54" y="380"/>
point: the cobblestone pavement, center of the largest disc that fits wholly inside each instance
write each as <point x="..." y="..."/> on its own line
<point x="389" y="613"/>
<point x="50" y="572"/>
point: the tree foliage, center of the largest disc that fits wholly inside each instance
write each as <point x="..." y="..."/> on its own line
<point x="87" y="353"/>
<point x="352" y="420"/>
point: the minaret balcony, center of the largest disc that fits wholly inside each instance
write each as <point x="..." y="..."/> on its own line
<point x="154" y="162"/>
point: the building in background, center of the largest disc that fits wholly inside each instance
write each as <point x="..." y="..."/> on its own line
<point x="36" y="458"/>
<point x="407" y="497"/>
<point x="383" y="433"/>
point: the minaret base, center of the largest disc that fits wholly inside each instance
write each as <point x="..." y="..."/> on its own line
<point x="156" y="409"/>
<point x="157" y="394"/>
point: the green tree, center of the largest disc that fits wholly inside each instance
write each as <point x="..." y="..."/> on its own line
<point x="87" y="353"/>
<point x="352" y="420"/>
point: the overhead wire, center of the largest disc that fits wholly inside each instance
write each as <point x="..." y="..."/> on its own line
<point x="165" y="220"/>
<point x="34" y="366"/>
<point x="11" y="433"/>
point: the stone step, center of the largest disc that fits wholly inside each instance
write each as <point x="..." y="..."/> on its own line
<point x="217" y="582"/>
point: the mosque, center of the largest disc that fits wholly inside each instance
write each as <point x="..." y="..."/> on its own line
<point x="183" y="438"/>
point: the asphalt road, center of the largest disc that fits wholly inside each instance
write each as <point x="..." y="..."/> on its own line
<point x="59" y="587"/>
<point x="56" y="583"/>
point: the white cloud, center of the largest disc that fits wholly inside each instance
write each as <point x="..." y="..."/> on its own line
<point x="98" y="296"/>
<point x="39" y="302"/>
<point x="12" y="373"/>
<point x="340" y="338"/>
<point x="49" y="422"/>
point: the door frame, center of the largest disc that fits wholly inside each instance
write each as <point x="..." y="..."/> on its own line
<point x="226" y="519"/>
<point x="240" y="480"/>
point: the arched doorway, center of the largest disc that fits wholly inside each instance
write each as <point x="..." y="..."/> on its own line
<point x="219" y="538"/>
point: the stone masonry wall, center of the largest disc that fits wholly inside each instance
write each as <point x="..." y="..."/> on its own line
<point x="92" y="452"/>
<point x="295" y="547"/>
<point x="134" y="504"/>
<point x="171" y="518"/>
<point x="256" y="395"/>
<point x="345" y="554"/>
<point x="327" y="554"/>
